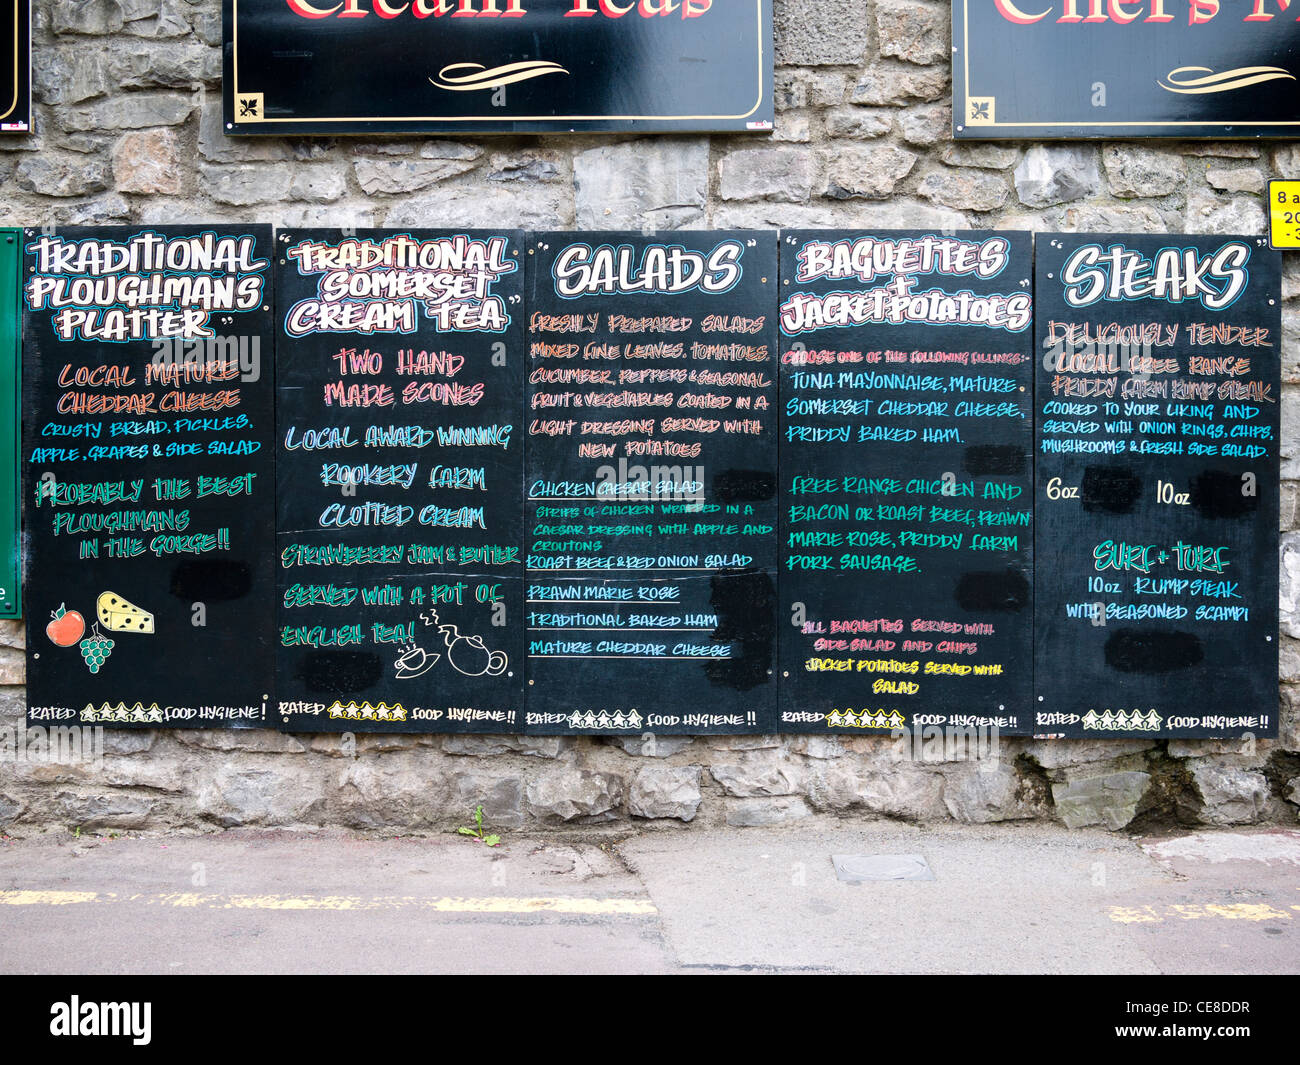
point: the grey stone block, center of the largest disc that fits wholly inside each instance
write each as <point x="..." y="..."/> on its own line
<point x="1110" y="800"/>
<point x="1232" y="796"/>
<point x="568" y="794"/>
<point x="813" y="33"/>
<point x="1048" y="176"/>
<point x="656" y="184"/>
<point x="665" y="792"/>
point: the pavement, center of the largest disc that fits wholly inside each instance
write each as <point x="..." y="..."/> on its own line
<point x="1017" y="898"/>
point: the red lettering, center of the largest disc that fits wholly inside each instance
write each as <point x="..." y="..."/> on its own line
<point x="644" y="8"/>
<point x="305" y="10"/>
<point x="1095" y="13"/>
<point x="1011" y="13"/>
<point x="1258" y="15"/>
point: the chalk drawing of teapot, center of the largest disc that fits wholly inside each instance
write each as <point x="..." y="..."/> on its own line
<point x="468" y="654"/>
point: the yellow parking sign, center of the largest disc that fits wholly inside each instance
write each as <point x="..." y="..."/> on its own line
<point x="1284" y="214"/>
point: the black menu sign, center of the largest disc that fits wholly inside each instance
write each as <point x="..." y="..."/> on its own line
<point x="906" y="530"/>
<point x="399" y="473"/>
<point x="15" y="66"/>
<point x="650" y="505"/>
<point x="1157" y="485"/>
<point x="148" y="475"/>
<point x="496" y="66"/>
<point x="1087" y="68"/>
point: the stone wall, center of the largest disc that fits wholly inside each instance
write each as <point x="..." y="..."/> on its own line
<point x="128" y="129"/>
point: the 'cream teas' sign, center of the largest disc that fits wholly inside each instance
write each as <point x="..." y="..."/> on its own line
<point x="384" y="66"/>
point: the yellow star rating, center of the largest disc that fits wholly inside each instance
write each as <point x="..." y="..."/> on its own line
<point x="605" y="720"/>
<point x="866" y="719"/>
<point x="121" y="714"/>
<point x="352" y="711"/>
<point x="1122" y="720"/>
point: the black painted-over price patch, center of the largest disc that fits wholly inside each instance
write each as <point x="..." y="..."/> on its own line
<point x="148" y="478"/>
<point x="650" y="494"/>
<point x="1157" y="485"/>
<point x="400" y="466"/>
<point x="906" y="534"/>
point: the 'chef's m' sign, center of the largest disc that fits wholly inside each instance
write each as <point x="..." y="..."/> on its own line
<point x="1035" y="69"/>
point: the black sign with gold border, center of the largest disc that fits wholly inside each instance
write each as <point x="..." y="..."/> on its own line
<point x="16" y="67"/>
<point x="1044" y="69"/>
<point x="503" y="66"/>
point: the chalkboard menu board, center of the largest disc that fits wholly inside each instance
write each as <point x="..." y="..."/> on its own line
<point x="399" y="479"/>
<point x="148" y="475"/>
<point x="1157" y="485"/>
<point x="650" y="494"/>
<point x="11" y="258"/>
<point x="906" y="529"/>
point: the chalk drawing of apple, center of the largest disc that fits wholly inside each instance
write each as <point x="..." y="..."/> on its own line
<point x="67" y="627"/>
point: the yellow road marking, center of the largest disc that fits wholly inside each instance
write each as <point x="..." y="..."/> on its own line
<point x="1249" y="912"/>
<point x="1239" y="911"/>
<point x="45" y="898"/>
<point x="194" y="900"/>
<point x="1132" y="915"/>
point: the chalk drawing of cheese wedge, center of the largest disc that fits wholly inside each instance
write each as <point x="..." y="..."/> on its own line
<point x="117" y="615"/>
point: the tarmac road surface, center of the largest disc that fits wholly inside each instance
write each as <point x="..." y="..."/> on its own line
<point x="1021" y="898"/>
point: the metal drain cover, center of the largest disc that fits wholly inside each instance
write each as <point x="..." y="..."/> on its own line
<point x="855" y="868"/>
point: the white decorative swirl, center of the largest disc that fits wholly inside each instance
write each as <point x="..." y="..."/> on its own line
<point x="1181" y="80"/>
<point x="477" y="76"/>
